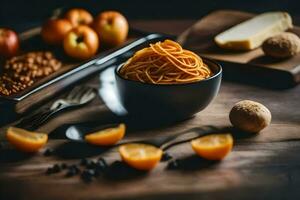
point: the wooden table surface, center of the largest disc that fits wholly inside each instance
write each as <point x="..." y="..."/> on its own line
<point x="262" y="166"/>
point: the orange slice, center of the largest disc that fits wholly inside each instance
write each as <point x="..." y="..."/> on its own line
<point x="213" y="147"/>
<point x="26" y="141"/>
<point x="106" y="137"/>
<point x="140" y="156"/>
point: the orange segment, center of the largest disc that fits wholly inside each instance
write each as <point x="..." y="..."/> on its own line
<point x="213" y="147"/>
<point x="106" y="137"/>
<point x="140" y="156"/>
<point x="26" y="141"/>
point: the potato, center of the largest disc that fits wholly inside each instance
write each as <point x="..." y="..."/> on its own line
<point x="250" y="116"/>
<point x="283" y="45"/>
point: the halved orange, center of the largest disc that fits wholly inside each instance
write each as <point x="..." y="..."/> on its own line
<point x="140" y="156"/>
<point x="213" y="147"/>
<point x="24" y="140"/>
<point x="106" y="137"/>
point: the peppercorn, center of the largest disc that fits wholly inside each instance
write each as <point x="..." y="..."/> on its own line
<point x="63" y="166"/>
<point x="91" y="164"/>
<point x="87" y="175"/>
<point x="83" y="161"/>
<point x="54" y="169"/>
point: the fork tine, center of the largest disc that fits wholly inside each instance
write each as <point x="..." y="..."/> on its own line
<point x="73" y="92"/>
<point x="86" y="97"/>
<point x="74" y="97"/>
<point x="38" y="118"/>
<point x="34" y="121"/>
<point x="38" y="121"/>
<point x="80" y="93"/>
<point x="28" y="120"/>
<point x="88" y="92"/>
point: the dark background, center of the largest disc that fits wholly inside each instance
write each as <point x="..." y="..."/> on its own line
<point x="20" y="15"/>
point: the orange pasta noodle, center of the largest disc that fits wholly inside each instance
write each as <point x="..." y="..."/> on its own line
<point x="165" y="63"/>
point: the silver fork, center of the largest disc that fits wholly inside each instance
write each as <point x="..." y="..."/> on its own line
<point x="79" y="96"/>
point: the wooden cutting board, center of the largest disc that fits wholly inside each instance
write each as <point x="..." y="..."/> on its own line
<point x="247" y="66"/>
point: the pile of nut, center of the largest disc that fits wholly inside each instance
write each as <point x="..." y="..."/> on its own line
<point x="22" y="71"/>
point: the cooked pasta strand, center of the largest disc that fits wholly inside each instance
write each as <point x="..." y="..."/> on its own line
<point x="165" y="63"/>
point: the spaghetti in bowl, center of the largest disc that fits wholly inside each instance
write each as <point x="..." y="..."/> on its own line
<point x="165" y="63"/>
<point x="165" y="100"/>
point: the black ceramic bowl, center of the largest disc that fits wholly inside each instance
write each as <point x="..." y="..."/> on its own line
<point x="168" y="102"/>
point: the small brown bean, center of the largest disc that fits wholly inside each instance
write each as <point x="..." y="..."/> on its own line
<point x="21" y="71"/>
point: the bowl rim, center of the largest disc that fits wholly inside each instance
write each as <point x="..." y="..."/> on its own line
<point x="219" y="72"/>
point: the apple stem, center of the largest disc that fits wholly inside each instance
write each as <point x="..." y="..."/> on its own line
<point x="110" y="21"/>
<point x="79" y="39"/>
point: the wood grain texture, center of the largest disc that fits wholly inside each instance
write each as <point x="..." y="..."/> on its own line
<point x="262" y="166"/>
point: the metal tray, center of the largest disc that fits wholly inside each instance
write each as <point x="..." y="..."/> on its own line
<point x="54" y="84"/>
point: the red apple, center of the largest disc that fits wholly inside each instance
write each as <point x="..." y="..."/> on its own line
<point x="54" y="31"/>
<point x="9" y="43"/>
<point x="81" y="42"/>
<point x="112" y="28"/>
<point x="79" y="16"/>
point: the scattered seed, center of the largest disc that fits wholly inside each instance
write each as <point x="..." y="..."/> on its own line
<point x="101" y="164"/>
<point x="75" y="168"/>
<point x="71" y="172"/>
<point x="63" y="166"/>
<point x="97" y="172"/>
<point x="56" y="168"/>
<point x="87" y="175"/>
<point x="91" y="164"/>
<point x="83" y="161"/>
<point x="49" y="170"/>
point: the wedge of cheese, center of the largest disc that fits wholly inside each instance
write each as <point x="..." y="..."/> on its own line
<point x="251" y="33"/>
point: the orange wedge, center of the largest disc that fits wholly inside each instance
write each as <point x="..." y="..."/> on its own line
<point x="213" y="147"/>
<point x="26" y="141"/>
<point x="106" y="137"/>
<point x="140" y="156"/>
